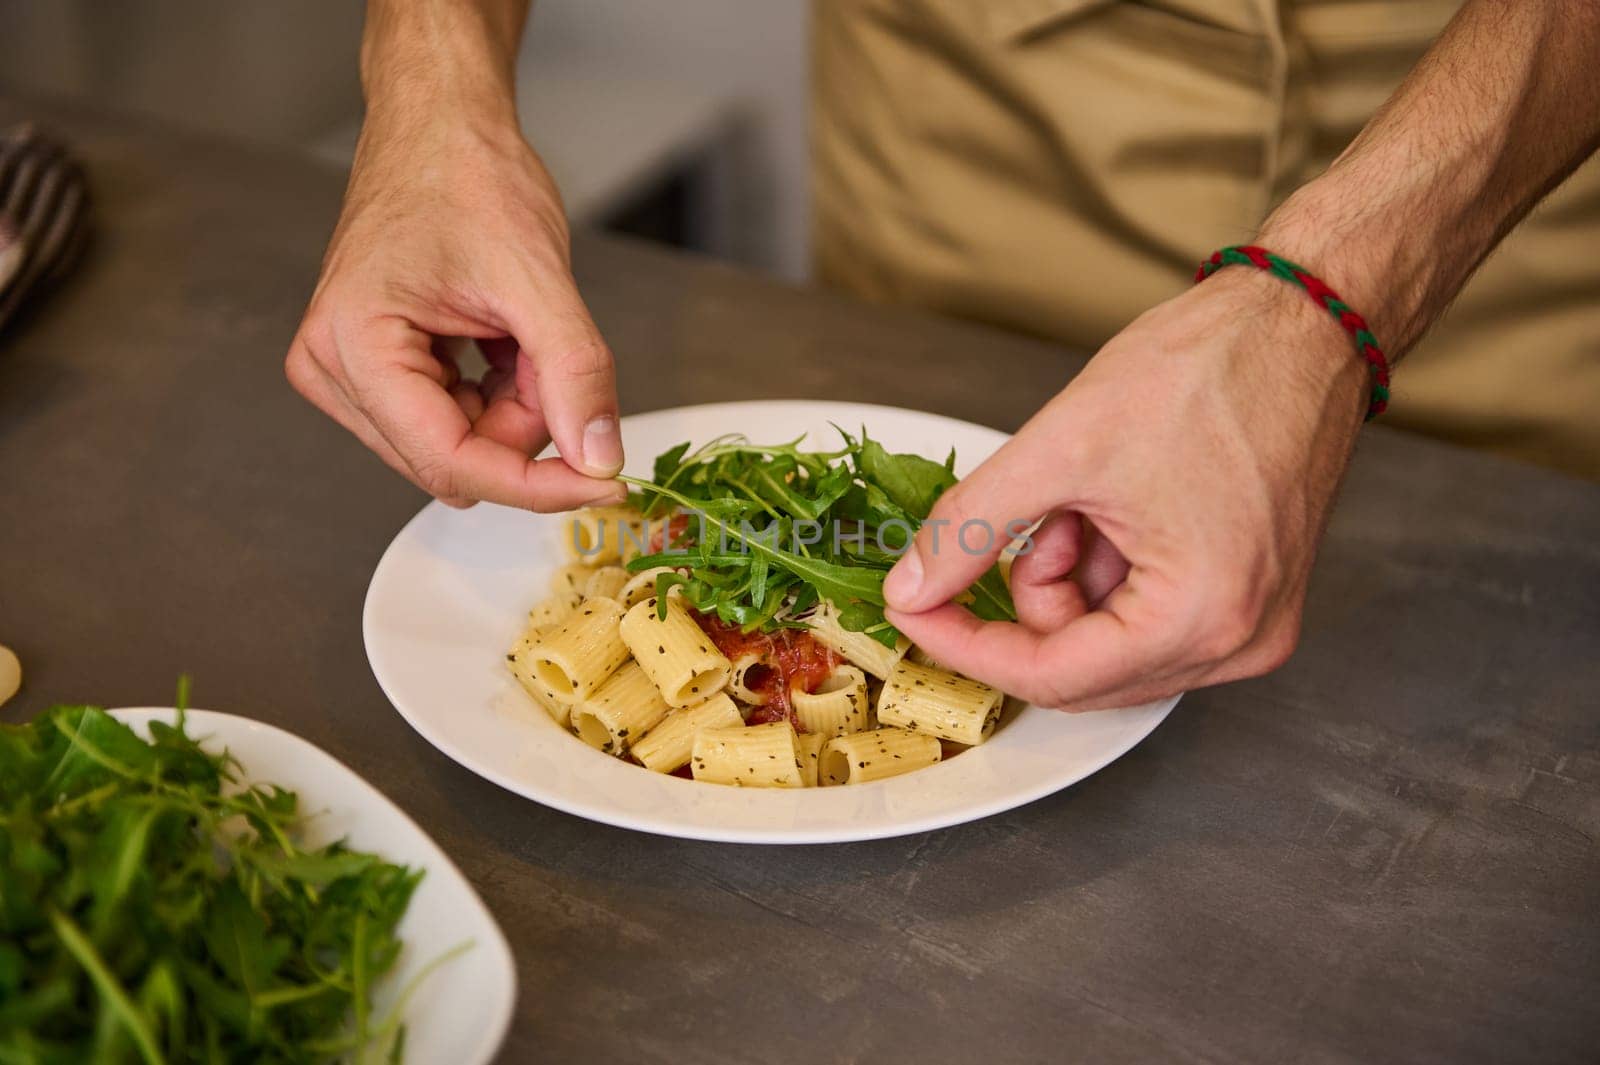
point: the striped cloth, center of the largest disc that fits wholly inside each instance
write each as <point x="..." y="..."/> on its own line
<point x="44" y="208"/>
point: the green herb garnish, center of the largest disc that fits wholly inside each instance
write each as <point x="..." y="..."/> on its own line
<point x="153" y="911"/>
<point x="775" y="529"/>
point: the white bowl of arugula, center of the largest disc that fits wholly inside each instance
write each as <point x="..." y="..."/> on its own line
<point x="197" y="886"/>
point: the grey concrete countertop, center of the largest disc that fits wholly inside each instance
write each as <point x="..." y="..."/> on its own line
<point x="1384" y="852"/>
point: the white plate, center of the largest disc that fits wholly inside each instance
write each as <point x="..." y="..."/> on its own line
<point x="460" y="1011"/>
<point x="453" y="590"/>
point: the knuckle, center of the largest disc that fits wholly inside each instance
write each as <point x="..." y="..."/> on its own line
<point x="588" y="375"/>
<point x="299" y="369"/>
<point x="1227" y="612"/>
<point x="365" y="394"/>
<point x="437" y="478"/>
<point x="1274" y="650"/>
<point x="368" y="383"/>
<point x="586" y="362"/>
<point x="1225" y="633"/>
<point x="351" y="339"/>
<point x="318" y="334"/>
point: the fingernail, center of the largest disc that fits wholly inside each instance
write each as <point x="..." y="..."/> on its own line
<point x="602" y="446"/>
<point x="900" y="586"/>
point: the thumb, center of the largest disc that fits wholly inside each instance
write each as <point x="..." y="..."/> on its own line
<point x="974" y="521"/>
<point x="576" y="380"/>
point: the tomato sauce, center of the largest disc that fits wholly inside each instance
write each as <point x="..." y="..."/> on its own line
<point x="790" y="659"/>
<point x="665" y="534"/>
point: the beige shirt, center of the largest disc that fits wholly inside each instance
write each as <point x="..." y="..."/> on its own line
<point x="1059" y="166"/>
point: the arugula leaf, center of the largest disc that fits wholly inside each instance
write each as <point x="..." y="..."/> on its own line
<point x="834" y="581"/>
<point x="911" y="482"/>
<point x="151" y="911"/>
<point x="780" y="490"/>
<point x="991" y="599"/>
<point x="776" y="529"/>
<point x="858" y="617"/>
<point x="668" y="461"/>
<point x="870" y="621"/>
<point x="759" y="571"/>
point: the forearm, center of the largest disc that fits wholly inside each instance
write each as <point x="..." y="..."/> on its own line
<point x="441" y="57"/>
<point x="1503" y="107"/>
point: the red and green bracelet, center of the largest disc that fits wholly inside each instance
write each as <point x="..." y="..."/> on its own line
<point x="1325" y="297"/>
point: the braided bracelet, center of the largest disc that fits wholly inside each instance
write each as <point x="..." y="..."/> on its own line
<point x="1349" y="320"/>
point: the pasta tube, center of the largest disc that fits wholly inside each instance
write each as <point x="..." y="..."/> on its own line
<point x="580" y="653"/>
<point x="838" y="706"/>
<point x="550" y="612"/>
<point x="669" y="744"/>
<point x="640" y="586"/>
<point x="810" y="754"/>
<point x="620" y="711"/>
<point x="938" y="703"/>
<point x="606" y="582"/>
<point x="886" y="752"/>
<point x="858" y="648"/>
<point x="739" y="681"/>
<point x="568" y="582"/>
<point x="520" y="661"/>
<point x="680" y="658"/>
<point x="595" y="536"/>
<point x="751" y="756"/>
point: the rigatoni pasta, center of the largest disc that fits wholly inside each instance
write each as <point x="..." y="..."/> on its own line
<point x="574" y="658"/>
<point x="861" y="757"/>
<point x="752" y="756"/>
<point x="809" y="750"/>
<point x="641" y="586"/>
<point x="606" y="582"/>
<point x="569" y="583"/>
<point x="694" y="663"/>
<point x="934" y="701"/>
<point x="667" y="746"/>
<point x="741" y="679"/>
<point x="661" y="692"/>
<point x="858" y="648"/>
<point x="595" y="536"/>
<point x="520" y="661"/>
<point x="622" y="709"/>
<point x="549" y="612"/>
<point x="675" y="652"/>
<point x="838" y="706"/>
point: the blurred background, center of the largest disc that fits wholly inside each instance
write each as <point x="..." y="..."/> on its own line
<point x="683" y="122"/>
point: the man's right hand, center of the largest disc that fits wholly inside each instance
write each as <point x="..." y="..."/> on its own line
<point x="452" y="228"/>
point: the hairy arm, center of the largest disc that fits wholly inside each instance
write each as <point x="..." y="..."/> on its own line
<point x="1500" y="110"/>
<point x="452" y="228"/>
<point x="417" y="55"/>
<point x="1184" y="477"/>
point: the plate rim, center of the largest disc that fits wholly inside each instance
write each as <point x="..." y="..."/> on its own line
<point x="791" y="836"/>
<point x="494" y="1034"/>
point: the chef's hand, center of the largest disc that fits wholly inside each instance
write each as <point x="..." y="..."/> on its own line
<point x="452" y="228"/>
<point x="1184" y="479"/>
